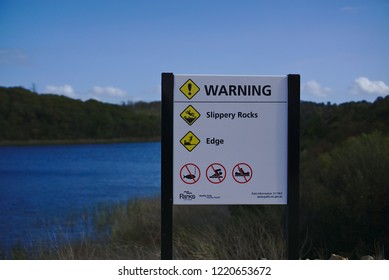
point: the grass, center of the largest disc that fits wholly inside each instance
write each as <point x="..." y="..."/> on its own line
<point x="226" y="232"/>
<point x="132" y="231"/>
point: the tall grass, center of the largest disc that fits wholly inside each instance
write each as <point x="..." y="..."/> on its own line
<point x="132" y="231"/>
<point x="227" y="232"/>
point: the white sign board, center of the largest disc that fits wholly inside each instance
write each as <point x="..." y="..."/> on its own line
<point x="230" y="139"/>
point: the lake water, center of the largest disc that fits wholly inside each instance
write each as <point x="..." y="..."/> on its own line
<point x="46" y="188"/>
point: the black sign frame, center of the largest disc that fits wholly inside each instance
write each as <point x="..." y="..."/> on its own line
<point x="293" y="158"/>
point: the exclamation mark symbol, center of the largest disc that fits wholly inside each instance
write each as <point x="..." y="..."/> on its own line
<point x="190" y="88"/>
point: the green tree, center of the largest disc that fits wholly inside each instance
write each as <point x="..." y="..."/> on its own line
<point x="346" y="197"/>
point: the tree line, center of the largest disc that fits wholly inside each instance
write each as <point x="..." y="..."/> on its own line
<point x="26" y="116"/>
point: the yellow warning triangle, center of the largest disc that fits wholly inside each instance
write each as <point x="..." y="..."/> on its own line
<point x="189" y="89"/>
<point x="190" y="141"/>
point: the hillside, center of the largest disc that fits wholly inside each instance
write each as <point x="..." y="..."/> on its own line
<point x="344" y="176"/>
<point x="27" y="116"/>
<point x="323" y="126"/>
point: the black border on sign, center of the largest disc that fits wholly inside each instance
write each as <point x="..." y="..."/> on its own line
<point x="293" y="199"/>
<point x="167" y="166"/>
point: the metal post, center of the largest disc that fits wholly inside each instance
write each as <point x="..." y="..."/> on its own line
<point x="292" y="217"/>
<point x="167" y="167"/>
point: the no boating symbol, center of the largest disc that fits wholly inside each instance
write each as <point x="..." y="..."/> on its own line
<point x="216" y="173"/>
<point x="242" y="173"/>
<point x="190" y="173"/>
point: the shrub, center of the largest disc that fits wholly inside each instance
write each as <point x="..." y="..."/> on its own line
<point x="346" y="202"/>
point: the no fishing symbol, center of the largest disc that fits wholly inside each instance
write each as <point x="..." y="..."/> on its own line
<point x="190" y="173"/>
<point x="216" y="173"/>
<point x="242" y="173"/>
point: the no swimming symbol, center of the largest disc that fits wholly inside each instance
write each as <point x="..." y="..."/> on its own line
<point x="216" y="173"/>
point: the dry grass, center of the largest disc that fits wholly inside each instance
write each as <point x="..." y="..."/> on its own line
<point x="132" y="231"/>
<point x="219" y="232"/>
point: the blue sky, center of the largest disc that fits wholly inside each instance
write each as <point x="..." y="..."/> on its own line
<point x="116" y="50"/>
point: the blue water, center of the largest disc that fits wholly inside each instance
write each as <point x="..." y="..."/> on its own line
<point x="46" y="188"/>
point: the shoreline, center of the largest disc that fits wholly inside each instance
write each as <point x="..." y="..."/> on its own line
<point x="4" y="143"/>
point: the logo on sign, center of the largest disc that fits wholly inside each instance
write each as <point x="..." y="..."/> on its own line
<point x="187" y="195"/>
<point x="189" y="89"/>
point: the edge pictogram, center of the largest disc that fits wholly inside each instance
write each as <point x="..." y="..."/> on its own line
<point x="190" y="141"/>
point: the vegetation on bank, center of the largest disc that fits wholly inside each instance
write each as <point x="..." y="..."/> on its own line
<point x="344" y="186"/>
<point x="344" y="161"/>
<point x="132" y="231"/>
<point x="27" y="117"/>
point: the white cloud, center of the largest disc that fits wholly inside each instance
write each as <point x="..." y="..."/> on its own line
<point x="349" y="9"/>
<point x="66" y="90"/>
<point x="108" y="91"/>
<point x="363" y="85"/>
<point x="313" y="87"/>
<point x="104" y="94"/>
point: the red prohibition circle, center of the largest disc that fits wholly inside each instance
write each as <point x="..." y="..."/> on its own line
<point x="242" y="173"/>
<point x="214" y="173"/>
<point x="190" y="173"/>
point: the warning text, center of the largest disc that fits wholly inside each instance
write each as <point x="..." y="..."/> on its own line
<point x="231" y="116"/>
<point x="237" y="90"/>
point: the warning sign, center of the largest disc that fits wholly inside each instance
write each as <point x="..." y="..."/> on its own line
<point x="216" y="173"/>
<point x="190" y="141"/>
<point x="190" y="115"/>
<point x="189" y="89"/>
<point x="190" y="173"/>
<point x="242" y="173"/>
<point x="235" y="129"/>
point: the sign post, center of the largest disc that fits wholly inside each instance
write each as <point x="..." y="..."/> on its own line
<point x="292" y="214"/>
<point x="229" y="140"/>
<point x="166" y="169"/>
